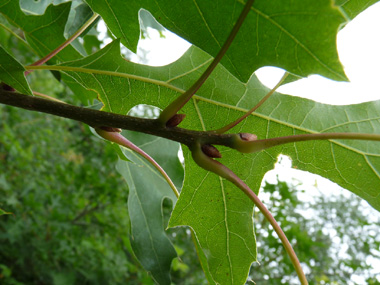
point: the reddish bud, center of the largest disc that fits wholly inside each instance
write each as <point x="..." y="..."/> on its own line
<point x="248" y="137"/>
<point x="110" y="129"/>
<point x="175" y="120"/>
<point x="211" y="151"/>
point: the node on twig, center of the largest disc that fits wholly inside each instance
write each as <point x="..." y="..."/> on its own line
<point x="175" y="120"/>
<point x="248" y="137"/>
<point x="110" y="129"/>
<point x="211" y="151"/>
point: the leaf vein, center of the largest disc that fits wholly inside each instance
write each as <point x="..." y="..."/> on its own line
<point x="227" y="229"/>
<point x="298" y="42"/>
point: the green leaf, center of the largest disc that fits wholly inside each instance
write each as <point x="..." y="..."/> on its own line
<point x="203" y="261"/>
<point x="35" y="7"/>
<point x="148" y="189"/>
<point x="12" y="73"/>
<point x="221" y="217"/>
<point x="122" y="26"/>
<point x="147" y="20"/>
<point x="2" y="212"/>
<point x="114" y="90"/>
<point x="44" y="33"/>
<point x="352" y="8"/>
<point x="91" y="43"/>
<point x="82" y="13"/>
<point x="299" y="36"/>
<point x="109" y="84"/>
<point x="352" y="164"/>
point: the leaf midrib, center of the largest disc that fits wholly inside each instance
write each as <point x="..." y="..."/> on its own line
<point x="145" y="218"/>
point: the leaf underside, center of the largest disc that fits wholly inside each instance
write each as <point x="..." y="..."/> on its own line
<point x="268" y="37"/>
<point x="12" y="73"/>
<point x="147" y="189"/>
<point x="299" y="36"/>
<point x="45" y="33"/>
<point x="352" y="164"/>
<point x="352" y="8"/>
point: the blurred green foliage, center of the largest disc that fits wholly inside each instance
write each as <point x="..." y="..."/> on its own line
<point x="70" y="222"/>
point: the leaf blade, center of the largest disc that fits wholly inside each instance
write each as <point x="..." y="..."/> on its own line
<point x="12" y="73"/>
<point x="221" y="100"/>
<point x="352" y="8"/>
<point x="148" y="189"/>
<point x="301" y="33"/>
<point x="230" y="98"/>
<point x="45" y="33"/>
<point x="222" y="220"/>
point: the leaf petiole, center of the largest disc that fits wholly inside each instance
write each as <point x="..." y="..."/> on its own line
<point x="178" y="103"/>
<point x="65" y="44"/>
<point x="258" y="145"/>
<point x="249" y="112"/>
<point x="118" y="138"/>
<point x="212" y="165"/>
<point x="47" y="97"/>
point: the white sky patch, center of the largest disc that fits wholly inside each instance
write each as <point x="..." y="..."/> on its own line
<point x="161" y="50"/>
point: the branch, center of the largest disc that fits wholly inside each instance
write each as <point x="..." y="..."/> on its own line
<point x="96" y="119"/>
<point x="243" y="142"/>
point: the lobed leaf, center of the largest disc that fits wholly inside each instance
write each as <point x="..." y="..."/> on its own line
<point x="221" y="217"/>
<point x="352" y="164"/>
<point x="45" y="33"/>
<point x="82" y="14"/>
<point x="35" y="7"/>
<point x="225" y="235"/>
<point x="299" y="36"/>
<point x="119" y="94"/>
<point x="147" y="190"/>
